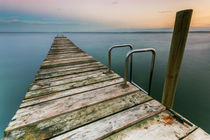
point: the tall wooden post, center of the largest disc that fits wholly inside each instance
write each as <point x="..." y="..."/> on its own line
<point x="179" y="38"/>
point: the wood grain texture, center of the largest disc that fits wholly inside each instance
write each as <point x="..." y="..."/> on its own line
<point x="71" y="55"/>
<point x="111" y="124"/>
<point x="159" y="127"/>
<point x="60" y="78"/>
<point x="51" y="127"/>
<point x="54" y="62"/>
<point x="65" y="59"/>
<point x="91" y="74"/>
<point x="35" y="113"/>
<point x="67" y="86"/>
<point x="53" y="96"/>
<point x="68" y="72"/>
<point x="198" y="134"/>
<point x="66" y="68"/>
<point x="181" y="28"/>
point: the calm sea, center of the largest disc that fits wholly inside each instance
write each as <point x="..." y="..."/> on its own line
<point x="22" y="53"/>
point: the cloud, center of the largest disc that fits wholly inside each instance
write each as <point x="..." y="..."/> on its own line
<point x="115" y="2"/>
<point x="166" y="11"/>
<point x="36" y="22"/>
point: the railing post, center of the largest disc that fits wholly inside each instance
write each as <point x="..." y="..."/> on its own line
<point x="179" y="38"/>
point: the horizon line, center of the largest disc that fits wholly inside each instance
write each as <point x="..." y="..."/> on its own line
<point x="198" y="31"/>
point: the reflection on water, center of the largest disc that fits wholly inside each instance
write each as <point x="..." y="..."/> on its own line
<point x="22" y="53"/>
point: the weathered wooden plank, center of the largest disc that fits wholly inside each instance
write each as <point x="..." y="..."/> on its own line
<point x="198" y="134"/>
<point x="37" y="86"/>
<point x="66" y="60"/>
<point x="159" y="127"/>
<point x="48" y="81"/>
<point x="64" y="49"/>
<point x="52" y="49"/>
<point x="67" y="52"/>
<point x="53" y="96"/>
<point x="52" y="57"/>
<point x="52" y="89"/>
<point x="66" y="122"/>
<point x="113" y="123"/>
<point x="63" y="46"/>
<point x="68" y="72"/>
<point x="54" y="62"/>
<point x="68" y="63"/>
<point x="65" y="68"/>
<point x="60" y="47"/>
<point x="66" y="44"/>
<point x="64" y="52"/>
<point x="60" y="106"/>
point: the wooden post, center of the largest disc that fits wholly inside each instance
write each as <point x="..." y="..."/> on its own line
<point x="179" y="38"/>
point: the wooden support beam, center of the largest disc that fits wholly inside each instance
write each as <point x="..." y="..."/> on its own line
<point x="179" y="38"/>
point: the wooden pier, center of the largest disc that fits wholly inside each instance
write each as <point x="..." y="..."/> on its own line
<point x="72" y="98"/>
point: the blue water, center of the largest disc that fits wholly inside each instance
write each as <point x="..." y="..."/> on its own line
<point x="22" y="53"/>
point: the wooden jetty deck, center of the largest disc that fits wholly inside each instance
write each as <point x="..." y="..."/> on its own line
<point x="71" y="98"/>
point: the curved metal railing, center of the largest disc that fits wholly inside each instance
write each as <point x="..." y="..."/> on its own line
<point x="130" y="53"/>
<point x="119" y="46"/>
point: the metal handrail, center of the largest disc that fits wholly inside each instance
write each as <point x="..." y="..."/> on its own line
<point x="151" y="69"/>
<point x="120" y="46"/>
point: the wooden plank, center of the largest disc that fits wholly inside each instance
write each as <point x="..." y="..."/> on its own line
<point x="63" y="49"/>
<point x="66" y="60"/>
<point x="65" y="68"/>
<point x="159" y="127"/>
<point x="67" y="52"/>
<point x="53" y="96"/>
<point x="48" y="81"/>
<point x="36" y="86"/>
<point x="51" y="57"/>
<point x="68" y="72"/>
<point x="60" y="106"/>
<point x="106" y="126"/>
<point x="66" y="122"/>
<point x="57" y="50"/>
<point x="81" y="61"/>
<point x="52" y="89"/>
<point x="198" y="134"/>
<point x="63" y="46"/>
<point x="54" y="62"/>
<point x="64" y="52"/>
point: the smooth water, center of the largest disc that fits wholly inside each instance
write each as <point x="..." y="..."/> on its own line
<point x="22" y="53"/>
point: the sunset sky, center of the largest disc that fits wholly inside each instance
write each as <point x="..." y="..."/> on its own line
<point x="98" y="15"/>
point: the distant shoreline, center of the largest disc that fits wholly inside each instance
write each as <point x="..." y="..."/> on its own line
<point x="144" y="32"/>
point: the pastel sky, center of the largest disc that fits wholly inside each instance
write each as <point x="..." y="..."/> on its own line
<point x="97" y="15"/>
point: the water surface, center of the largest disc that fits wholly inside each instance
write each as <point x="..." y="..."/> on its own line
<point x="21" y="55"/>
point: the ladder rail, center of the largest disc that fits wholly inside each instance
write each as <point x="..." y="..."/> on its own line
<point x="130" y="53"/>
<point x="120" y="46"/>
